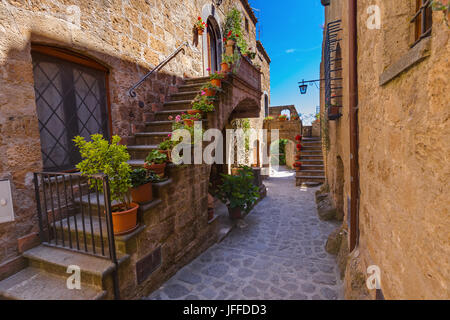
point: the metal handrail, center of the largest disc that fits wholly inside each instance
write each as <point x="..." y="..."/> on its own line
<point x="132" y="91"/>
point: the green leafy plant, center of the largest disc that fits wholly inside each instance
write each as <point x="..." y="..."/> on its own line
<point x="139" y="177"/>
<point x="167" y="144"/>
<point x="200" y="24"/>
<point x="238" y="191"/>
<point x="268" y="118"/>
<point x="101" y="157"/>
<point x="216" y="76"/>
<point x="231" y="59"/>
<point x="156" y="157"/>
<point x="202" y="103"/>
<point x="282" y="117"/>
<point x="233" y="28"/>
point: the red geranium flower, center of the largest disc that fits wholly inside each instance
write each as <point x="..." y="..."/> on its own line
<point x="230" y="33"/>
<point x="298" y="137"/>
<point x="299" y="146"/>
<point x="199" y="18"/>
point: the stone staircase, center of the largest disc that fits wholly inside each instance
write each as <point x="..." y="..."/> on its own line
<point x="158" y="129"/>
<point x="312" y="172"/>
<point x="45" y="276"/>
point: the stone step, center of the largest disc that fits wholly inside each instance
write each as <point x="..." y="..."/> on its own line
<point x="180" y="96"/>
<point x="164" y="115"/>
<point x="308" y="173"/>
<point x="181" y="105"/>
<point x="311" y="178"/>
<point x="159" y="126"/>
<point x="140" y="151"/>
<point x="312" y="161"/>
<point x="36" y="284"/>
<point x="312" y="167"/>
<point x="152" y="138"/>
<point x="311" y="152"/>
<point x="190" y="87"/>
<point x="196" y="80"/>
<point x="94" y="270"/>
<point x="310" y="157"/>
<point x="311" y="139"/>
<point x="311" y="148"/>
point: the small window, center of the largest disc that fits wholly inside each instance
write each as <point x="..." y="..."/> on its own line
<point x="246" y="25"/>
<point x="423" y="20"/>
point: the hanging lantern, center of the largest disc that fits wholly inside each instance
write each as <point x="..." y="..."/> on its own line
<point x="303" y="88"/>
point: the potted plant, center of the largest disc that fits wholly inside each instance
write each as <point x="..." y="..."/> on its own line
<point x="111" y="159"/>
<point x="216" y="79"/>
<point x="298" y="137"/>
<point x="189" y="120"/>
<point x="238" y="192"/>
<point x="203" y="104"/>
<point x="209" y="90"/>
<point x="282" y="117"/>
<point x="295" y="117"/>
<point x="298" y="165"/>
<point x="200" y="25"/>
<point x="297" y="157"/>
<point x="141" y="181"/>
<point x="166" y="147"/>
<point x="269" y="118"/>
<point x="227" y="62"/>
<point x="299" y="147"/>
<point x="156" y="161"/>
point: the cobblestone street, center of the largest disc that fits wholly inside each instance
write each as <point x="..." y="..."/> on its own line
<point x="278" y="254"/>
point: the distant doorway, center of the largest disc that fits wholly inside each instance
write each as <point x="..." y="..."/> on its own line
<point x="214" y="45"/>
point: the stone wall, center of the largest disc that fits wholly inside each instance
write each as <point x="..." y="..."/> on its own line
<point x="403" y="153"/>
<point x="128" y="37"/>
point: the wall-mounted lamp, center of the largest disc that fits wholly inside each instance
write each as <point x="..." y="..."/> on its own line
<point x="304" y="87"/>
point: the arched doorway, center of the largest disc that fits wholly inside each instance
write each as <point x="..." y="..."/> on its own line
<point x="214" y="45"/>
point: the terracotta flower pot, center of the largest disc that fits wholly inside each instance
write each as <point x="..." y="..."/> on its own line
<point x="142" y="194"/>
<point x="297" y="157"/>
<point x="225" y="67"/>
<point x="282" y="119"/>
<point x="159" y="169"/>
<point x="235" y="171"/>
<point x="210" y="92"/>
<point x="235" y="213"/>
<point x="200" y="31"/>
<point x="125" y="221"/>
<point x="194" y="112"/>
<point x="216" y="82"/>
<point x="189" y="122"/>
<point x="168" y="153"/>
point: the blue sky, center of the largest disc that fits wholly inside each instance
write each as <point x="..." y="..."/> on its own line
<point x="292" y="35"/>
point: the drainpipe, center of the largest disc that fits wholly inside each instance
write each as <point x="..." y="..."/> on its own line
<point x="353" y="116"/>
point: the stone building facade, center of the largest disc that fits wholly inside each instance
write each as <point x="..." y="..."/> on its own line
<point x="124" y="40"/>
<point x="402" y="132"/>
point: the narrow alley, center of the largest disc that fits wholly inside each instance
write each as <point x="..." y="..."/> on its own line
<point x="278" y="254"/>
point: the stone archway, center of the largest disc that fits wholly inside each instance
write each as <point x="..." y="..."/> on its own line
<point x="286" y="130"/>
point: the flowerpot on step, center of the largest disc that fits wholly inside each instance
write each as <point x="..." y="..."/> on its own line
<point x="142" y="194"/>
<point x="125" y="221"/>
<point x="225" y="67"/>
<point x="216" y="82"/>
<point x="210" y="92"/>
<point x="194" y="112"/>
<point x="159" y="169"/>
<point x="189" y="122"/>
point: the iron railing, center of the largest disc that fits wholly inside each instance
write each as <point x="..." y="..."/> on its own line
<point x="333" y="63"/>
<point x="74" y="213"/>
<point x="132" y="90"/>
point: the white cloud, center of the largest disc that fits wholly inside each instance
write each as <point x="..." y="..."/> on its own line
<point x="290" y="51"/>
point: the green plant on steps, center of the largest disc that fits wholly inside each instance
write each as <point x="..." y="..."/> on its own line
<point x="216" y="76"/>
<point x="111" y="159"/>
<point x="140" y="177"/>
<point x="156" y="157"/>
<point x="238" y="191"/>
<point x="202" y="103"/>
